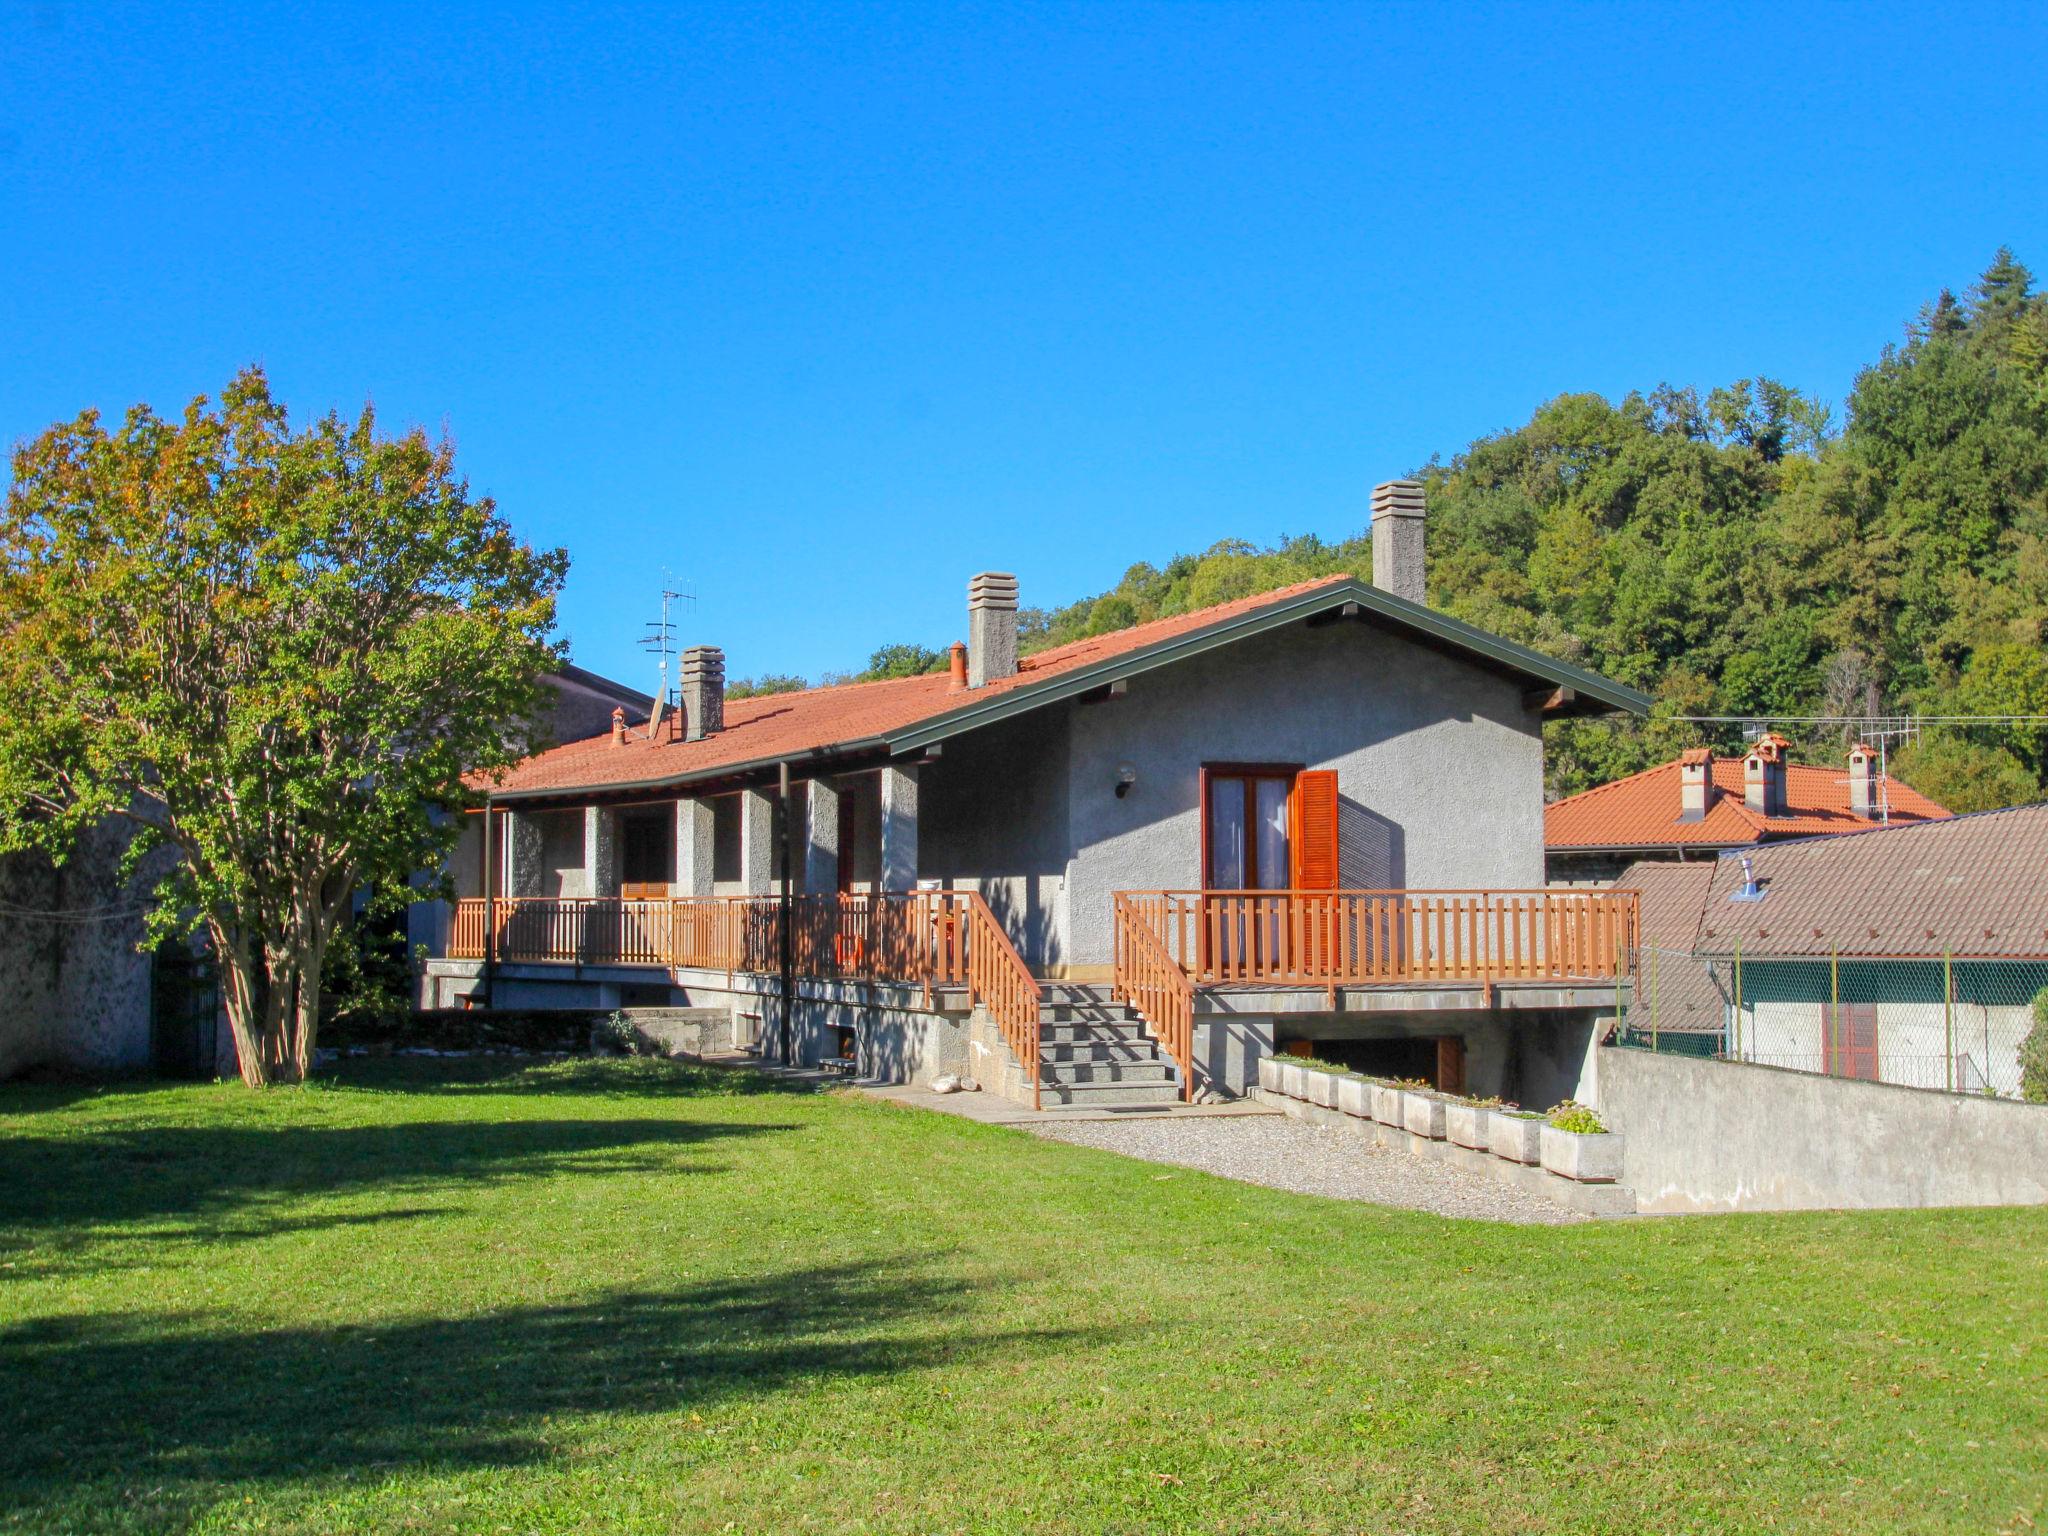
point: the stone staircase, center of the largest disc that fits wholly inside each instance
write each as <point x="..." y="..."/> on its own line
<point x="1095" y="1054"/>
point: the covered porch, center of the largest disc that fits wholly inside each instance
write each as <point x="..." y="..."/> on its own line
<point x="1179" y="955"/>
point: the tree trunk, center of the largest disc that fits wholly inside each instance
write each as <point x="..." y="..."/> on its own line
<point x="242" y="992"/>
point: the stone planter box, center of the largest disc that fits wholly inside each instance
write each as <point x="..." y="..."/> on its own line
<point x="1387" y="1107"/>
<point x="1294" y="1080"/>
<point x="1322" y="1087"/>
<point x="1354" y="1097"/>
<point x="1516" y="1136"/>
<point x="1423" y="1115"/>
<point x="1468" y="1124"/>
<point x="1576" y="1155"/>
<point x="1272" y="1074"/>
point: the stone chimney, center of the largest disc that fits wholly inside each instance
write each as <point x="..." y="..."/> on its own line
<point x="1695" y="783"/>
<point x="991" y="628"/>
<point x="1397" y="539"/>
<point x="1863" y="780"/>
<point x="1763" y="776"/>
<point x="703" y="675"/>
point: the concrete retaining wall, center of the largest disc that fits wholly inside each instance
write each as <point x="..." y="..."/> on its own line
<point x="1726" y="1136"/>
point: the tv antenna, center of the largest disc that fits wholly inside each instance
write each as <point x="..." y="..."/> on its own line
<point x="660" y="638"/>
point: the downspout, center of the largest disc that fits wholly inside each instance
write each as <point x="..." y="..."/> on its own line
<point x="785" y="945"/>
<point x="490" y="903"/>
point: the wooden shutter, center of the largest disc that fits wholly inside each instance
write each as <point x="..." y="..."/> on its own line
<point x="1313" y="830"/>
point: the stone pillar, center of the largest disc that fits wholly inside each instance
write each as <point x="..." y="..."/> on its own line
<point x="524" y="853"/>
<point x="757" y="841"/>
<point x="694" y="849"/>
<point x="899" y="828"/>
<point x="821" y="837"/>
<point x="600" y="851"/>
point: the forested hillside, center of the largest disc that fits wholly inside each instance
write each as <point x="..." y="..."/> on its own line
<point x="1746" y="551"/>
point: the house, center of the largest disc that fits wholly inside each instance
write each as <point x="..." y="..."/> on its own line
<point x="84" y="994"/>
<point x="1118" y="870"/>
<point x="1907" y="954"/>
<point x="1700" y="806"/>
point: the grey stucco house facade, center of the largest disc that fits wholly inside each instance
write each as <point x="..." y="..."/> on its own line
<point x="1313" y="817"/>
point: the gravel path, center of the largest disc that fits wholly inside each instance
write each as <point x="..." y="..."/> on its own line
<point x="1284" y="1153"/>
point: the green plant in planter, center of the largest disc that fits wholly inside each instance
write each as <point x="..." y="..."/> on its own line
<point x="1576" y="1118"/>
<point x="1318" y="1066"/>
<point x="1409" y="1084"/>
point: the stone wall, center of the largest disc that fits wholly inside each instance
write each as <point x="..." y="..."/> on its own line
<point x="1726" y="1136"/>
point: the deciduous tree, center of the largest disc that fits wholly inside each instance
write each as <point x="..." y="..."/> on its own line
<point x="277" y="652"/>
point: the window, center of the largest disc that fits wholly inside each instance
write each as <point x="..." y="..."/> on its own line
<point x="1246" y="844"/>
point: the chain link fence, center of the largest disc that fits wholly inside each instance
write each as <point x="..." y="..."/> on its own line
<point x="1941" y="1023"/>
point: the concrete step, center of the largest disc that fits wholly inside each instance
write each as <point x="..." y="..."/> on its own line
<point x="1108" y="1095"/>
<point x="1085" y="1013"/>
<point x="1098" y="1050"/>
<point x="1106" y="1071"/>
<point x="1087" y="1034"/>
<point x="1087" y="994"/>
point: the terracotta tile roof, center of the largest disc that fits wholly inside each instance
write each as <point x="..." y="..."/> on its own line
<point x="1641" y="811"/>
<point x="788" y="725"/>
<point x="1973" y="885"/>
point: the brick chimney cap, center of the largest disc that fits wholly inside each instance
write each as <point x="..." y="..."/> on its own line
<point x="1694" y="757"/>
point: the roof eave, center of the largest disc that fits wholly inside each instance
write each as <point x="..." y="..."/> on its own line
<point x="742" y="769"/>
<point x="1593" y="694"/>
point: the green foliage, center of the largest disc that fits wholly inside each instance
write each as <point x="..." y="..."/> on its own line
<point x="766" y="683"/>
<point x="1740" y="554"/>
<point x="902" y="661"/>
<point x="275" y="654"/>
<point x="1576" y="1118"/>
<point x="2034" y="1054"/>
<point x="1965" y="775"/>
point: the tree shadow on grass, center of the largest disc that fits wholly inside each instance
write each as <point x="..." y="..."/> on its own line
<point x="153" y="1414"/>
<point x="598" y="1077"/>
<point x="224" y="1181"/>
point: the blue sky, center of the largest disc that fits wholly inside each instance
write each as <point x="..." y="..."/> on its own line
<point x="825" y="310"/>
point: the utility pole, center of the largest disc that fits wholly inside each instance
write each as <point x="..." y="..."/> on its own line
<point x="786" y="945"/>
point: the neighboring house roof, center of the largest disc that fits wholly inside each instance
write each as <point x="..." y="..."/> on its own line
<point x="1970" y="886"/>
<point x="1641" y="811"/>
<point x="1672" y="989"/>
<point x="908" y="713"/>
<point x="595" y="682"/>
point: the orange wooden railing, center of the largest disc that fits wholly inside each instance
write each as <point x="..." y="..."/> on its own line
<point x="1000" y="981"/>
<point x="925" y="938"/>
<point x="1151" y="981"/>
<point x="1363" y="938"/>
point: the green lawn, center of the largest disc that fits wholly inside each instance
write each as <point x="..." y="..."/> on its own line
<point x="635" y="1297"/>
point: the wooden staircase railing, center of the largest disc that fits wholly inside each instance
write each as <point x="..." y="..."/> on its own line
<point x="1151" y="981"/>
<point x="1000" y="981"/>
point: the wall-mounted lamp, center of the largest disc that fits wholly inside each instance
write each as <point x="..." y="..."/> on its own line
<point x="1126" y="776"/>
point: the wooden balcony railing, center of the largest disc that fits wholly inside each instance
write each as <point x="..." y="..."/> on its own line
<point x="924" y="938"/>
<point x="1367" y="938"/>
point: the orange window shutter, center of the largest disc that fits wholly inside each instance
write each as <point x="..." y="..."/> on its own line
<point x="1314" y="830"/>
